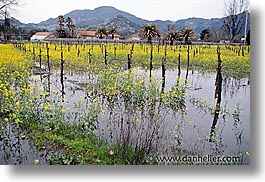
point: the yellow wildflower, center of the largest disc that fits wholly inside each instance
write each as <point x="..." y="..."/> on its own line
<point x="18" y="121"/>
<point x="36" y="161"/>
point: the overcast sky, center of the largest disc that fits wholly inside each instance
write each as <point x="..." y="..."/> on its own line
<point x="40" y="10"/>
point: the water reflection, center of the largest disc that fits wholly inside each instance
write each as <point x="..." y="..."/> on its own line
<point x="218" y="96"/>
<point x="187" y="74"/>
<point x="163" y="76"/>
<point x="62" y="90"/>
<point x="62" y="76"/>
<point x="16" y="149"/>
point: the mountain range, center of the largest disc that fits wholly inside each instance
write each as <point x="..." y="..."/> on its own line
<point x="125" y="22"/>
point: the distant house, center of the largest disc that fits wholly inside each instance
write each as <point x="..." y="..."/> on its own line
<point x="116" y="37"/>
<point x="40" y="36"/>
<point x="86" y="34"/>
<point x="91" y="35"/>
<point x="134" y="37"/>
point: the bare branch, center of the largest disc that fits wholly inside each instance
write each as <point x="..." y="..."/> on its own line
<point x="8" y="3"/>
<point x="235" y="17"/>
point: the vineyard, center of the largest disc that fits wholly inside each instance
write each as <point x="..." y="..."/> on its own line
<point x="120" y="103"/>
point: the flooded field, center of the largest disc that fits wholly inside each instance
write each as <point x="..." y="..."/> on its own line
<point x="135" y="109"/>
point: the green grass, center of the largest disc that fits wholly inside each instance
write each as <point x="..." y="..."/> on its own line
<point x="71" y="144"/>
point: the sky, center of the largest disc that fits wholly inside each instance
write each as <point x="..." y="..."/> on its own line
<point x="34" y="11"/>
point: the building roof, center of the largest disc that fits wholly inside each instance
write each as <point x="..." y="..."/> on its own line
<point x="42" y="33"/>
<point x="87" y="33"/>
<point x="91" y="33"/>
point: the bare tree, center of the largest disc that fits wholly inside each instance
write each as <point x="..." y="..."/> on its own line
<point x="171" y="27"/>
<point x="5" y="5"/>
<point x="235" y="12"/>
<point x="216" y="34"/>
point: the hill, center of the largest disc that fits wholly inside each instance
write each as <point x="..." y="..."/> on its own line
<point x="126" y="22"/>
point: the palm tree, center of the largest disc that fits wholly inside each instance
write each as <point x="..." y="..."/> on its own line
<point x="186" y="33"/>
<point x="149" y="31"/>
<point x="101" y="31"/>
<point x="112" y="31"/>
<point x="71" y="26"/>
<point x="61" y="31"/>
<point x="61" y="21"/>
<point x="171" y="36"/>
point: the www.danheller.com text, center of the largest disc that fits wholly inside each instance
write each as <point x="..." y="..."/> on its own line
<point x="197" y="159"/>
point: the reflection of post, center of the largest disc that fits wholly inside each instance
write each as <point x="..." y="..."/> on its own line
<point x="61" y="75"/>
<point x="188" y="55"/>
<point x="187" y="74"/>
<point x="217" y="95"/>
<point x="163" y="75"/>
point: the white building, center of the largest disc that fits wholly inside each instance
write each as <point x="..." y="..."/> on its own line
<point x="91" y="35"/>
<point x="40" y="36"/>
<point x="85" y="34"/>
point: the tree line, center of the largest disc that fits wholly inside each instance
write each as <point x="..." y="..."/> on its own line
<point x="67" y="29"/>
<point x="151" y="31"/>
